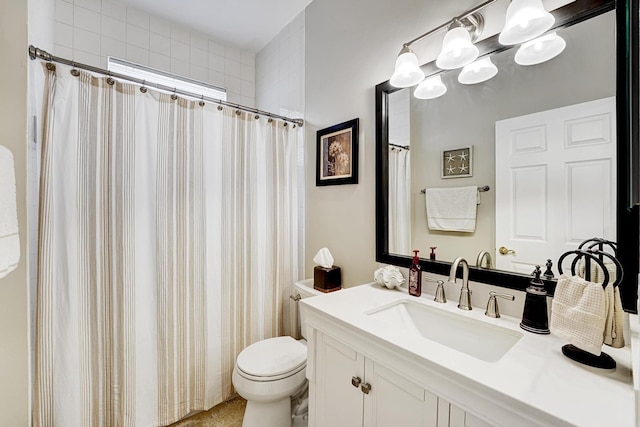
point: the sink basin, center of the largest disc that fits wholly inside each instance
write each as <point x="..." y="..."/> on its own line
<point x="481" y="340"/>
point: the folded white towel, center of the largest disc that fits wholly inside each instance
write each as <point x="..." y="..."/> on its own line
<point x="9" y="239"/>
<point x="578" y="313"/>
<point x="452" y="209"/>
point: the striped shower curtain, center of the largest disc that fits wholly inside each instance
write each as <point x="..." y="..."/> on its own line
<point x="167" y="237"/>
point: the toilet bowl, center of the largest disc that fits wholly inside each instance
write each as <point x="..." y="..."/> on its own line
<point x="269" y="372"/>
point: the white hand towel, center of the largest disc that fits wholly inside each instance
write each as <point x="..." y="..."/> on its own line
<point x="9" y="239"/>
<point x="578" y="313"/>
<point x="613" y="330"/>
<point x="452" y="209"/>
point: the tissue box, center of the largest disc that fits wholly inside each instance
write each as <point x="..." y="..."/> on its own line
<point x="327" y="279"/>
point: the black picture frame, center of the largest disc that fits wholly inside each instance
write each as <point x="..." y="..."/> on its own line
<point x="337" y="154"/>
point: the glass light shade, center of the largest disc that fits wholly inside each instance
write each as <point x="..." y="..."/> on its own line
<point x="407" y="72"/>
<point x="526" y="20"/>
<point x="540" y="50"/>
<point x="430" y="88"/>
<point x="478" y="72"/>
<point x="457" y="49"/>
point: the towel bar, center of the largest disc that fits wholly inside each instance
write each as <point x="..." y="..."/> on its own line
<point x="482" y="189"/>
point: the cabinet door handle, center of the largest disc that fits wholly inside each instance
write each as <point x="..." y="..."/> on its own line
<point x="355" y="381"/>
<point x="366" y="388"/>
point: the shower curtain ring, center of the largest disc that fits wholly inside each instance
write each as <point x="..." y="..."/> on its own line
<point x="74" y="72"/>
<point x="110" y="80"/>
<point x="143" y="89"/>
<point x="173" y="95"/>
<point x="202" y="101"/>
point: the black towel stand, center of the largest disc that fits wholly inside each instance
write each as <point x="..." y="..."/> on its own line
<point x="603" y="361"/>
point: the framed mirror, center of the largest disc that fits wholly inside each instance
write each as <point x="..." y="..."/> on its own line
<point x="413" y="137"/>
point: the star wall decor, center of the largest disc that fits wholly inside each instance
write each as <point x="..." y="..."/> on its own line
<point x="457" y="163"/>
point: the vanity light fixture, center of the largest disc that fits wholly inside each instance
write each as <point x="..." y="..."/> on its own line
<point x="526" y="20"/>
<point x="540" y="50"/>
<point x="407" y="72"/>
<point x="430" y="88"/>
<point x="478" y="72"/>
<point x="458" y="49"/>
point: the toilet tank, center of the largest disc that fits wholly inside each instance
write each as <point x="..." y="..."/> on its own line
<point x="299" y="290"/>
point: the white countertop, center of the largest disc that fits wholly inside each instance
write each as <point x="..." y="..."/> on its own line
<point x="534" y="373"/>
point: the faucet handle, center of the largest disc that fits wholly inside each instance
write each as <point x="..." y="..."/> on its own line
<point x="492" y="304"/>
<point x="440" y="296"/>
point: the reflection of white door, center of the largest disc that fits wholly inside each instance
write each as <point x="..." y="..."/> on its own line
<point x="555" y="182"/>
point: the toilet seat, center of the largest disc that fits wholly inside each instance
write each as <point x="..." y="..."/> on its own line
<point x="272" y="359"/>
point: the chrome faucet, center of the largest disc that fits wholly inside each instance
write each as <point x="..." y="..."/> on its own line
<point x="465" y="294"/>
<point x="481" y="256"/>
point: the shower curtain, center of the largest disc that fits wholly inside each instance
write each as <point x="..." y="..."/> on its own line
<point x="399" y="201"/>
<point x="167" y="237"/>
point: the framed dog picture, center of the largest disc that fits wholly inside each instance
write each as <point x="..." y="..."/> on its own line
<point x="337" y="154"/>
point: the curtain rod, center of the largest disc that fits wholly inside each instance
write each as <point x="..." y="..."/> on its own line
<point x="35" y="52"/>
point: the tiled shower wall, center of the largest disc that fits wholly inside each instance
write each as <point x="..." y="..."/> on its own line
<point x="280" y="71"/>
<point x="88" y="31"/>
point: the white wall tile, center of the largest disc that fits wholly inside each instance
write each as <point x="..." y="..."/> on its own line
<point x="137" y="54"/>
<point x="86" y="41"/>
<point x="199" y="57"/>
<point x="159" y="44"/>
<point x="180" y="51"/>
<point x="160" y="26"/>
<point x="63" y="34"/>
<point x="179" y="33"/>
<point x="63" y="51"/>
<point x="113" y="47"/>
<point x="160" y="62"/>
<point x="216" y="48"/>
<point x="231" y="67"/>
<point x="115" y="10"/>
<point x="199" y="73"/>
<point x="138" y="18"/>
<point x="95" y="29"/>
<point x="199" y="41"/>
<point x="94" y="5"/>
<point x="247" y="73"/>
<point x="216" y="78"/>
<point x="179" y="67"/>
<point x="216" y="62"/>
<point x="88" y="58"/>
<point x="64" y="12"/>
<point x="86" y="19"/>
<point x="137" y="36"/>
<point x="114" y="28"/>
<point x="233" y="54"/>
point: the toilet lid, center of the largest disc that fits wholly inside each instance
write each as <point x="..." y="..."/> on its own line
<point x="271" y="357"/>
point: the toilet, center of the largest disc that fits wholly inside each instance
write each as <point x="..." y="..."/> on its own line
<point x="269" y="372"/>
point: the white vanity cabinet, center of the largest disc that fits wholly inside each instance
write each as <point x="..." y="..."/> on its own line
<point x="352" y="390"/>
<point x="349" y="389"/>
<point x="414" y="381"/>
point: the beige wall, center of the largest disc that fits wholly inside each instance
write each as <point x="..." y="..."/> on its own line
<point x="350" y="47"/>
<point x="14" y="348"/>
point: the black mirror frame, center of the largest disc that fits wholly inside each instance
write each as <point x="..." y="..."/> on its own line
<point x="628" y="159"/>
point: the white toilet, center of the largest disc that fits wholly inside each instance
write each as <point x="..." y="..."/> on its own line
<point x="268" y="373"/>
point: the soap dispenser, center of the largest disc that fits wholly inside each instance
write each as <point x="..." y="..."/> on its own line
<point x="534" y="316"/>
<point x="415" y="276"/>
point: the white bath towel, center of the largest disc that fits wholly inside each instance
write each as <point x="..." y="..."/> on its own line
<point x="578" y="313"/>
<point x="9" y="239"/>
<point x="452" y="209"/>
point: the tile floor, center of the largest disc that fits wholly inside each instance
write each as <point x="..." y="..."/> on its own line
<point x="226" y="414"/>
